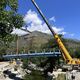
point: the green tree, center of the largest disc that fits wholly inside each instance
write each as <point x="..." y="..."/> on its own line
<point x="9" y="18"/>
<point x="77" y="53"/>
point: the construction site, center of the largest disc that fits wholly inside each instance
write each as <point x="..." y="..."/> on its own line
<point x="52" y="62"/>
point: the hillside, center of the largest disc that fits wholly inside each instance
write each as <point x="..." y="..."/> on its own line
<point x="31" y="41"/>
<point x="72" y="43"/>
<point x="35" y="41"/>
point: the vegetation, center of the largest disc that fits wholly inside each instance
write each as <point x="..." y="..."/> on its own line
<point x="61" y="77"/>
<point x="9" y="19"/>
<point x="35" y="75"/>
<point x="77" y="53"/>
<point x="35" y="60"/>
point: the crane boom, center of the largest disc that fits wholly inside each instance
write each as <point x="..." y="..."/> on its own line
<point x="63" y="49"/>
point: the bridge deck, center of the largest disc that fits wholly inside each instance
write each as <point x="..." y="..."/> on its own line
<point x="26" y="55"/>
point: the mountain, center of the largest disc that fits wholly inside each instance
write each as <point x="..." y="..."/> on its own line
<point x="35" y="40"/>
<point x="32" y="41"/>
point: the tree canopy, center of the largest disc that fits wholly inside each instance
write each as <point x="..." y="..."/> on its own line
<point x="9" y="17"/>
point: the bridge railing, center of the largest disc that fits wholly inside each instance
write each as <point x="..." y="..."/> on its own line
<point x="36" y="54"/>
<point x="34" y="51"/>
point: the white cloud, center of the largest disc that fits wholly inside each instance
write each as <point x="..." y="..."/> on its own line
<point x="36" y="24"/>
<point x="64" y="33"/>
<point x="19" y="32"/>
<point x="32" y="16"/>
<point x="52" y="19"/>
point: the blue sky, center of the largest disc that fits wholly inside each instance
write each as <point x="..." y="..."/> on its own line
<point x="64" y="14"/>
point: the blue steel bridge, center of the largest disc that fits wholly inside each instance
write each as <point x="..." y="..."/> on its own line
<point x="28" y="55"/>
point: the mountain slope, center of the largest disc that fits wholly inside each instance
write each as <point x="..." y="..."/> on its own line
<point x="35" y="40"/>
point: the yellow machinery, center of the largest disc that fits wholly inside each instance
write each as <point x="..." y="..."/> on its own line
<point x="63" y="49"/>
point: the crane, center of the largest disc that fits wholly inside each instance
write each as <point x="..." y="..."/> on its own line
<point x="66" y="55"/>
